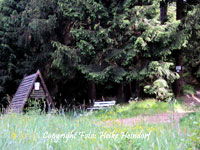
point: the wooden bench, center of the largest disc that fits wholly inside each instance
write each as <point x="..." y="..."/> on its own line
<point x="102" y="105"/>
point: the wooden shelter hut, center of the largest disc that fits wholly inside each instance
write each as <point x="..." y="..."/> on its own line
<point x="32" y="87"/>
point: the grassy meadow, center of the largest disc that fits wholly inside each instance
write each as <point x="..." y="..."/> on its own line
<point x="134" y="108"/>
<point x="85" y="131"/>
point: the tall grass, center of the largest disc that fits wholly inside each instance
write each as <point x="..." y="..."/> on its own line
<point x="191" y="125"/>
<point x="33" y="131"/>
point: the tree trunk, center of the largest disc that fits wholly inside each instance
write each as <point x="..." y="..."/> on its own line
<point x="179" y="56"/>
<point x="179" y="82"/>
<point x="163" y="11"/>
<point x="137" y="88"/>
<point x="139" y="65"/>
<point x="140" y="2"/>
<point x="120" y="95"/>
<point x="130" y="90"/>
<point x="92" y="91"/>
<point x="179" y="9"/>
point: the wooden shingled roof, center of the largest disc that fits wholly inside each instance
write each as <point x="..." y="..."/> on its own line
<point x="24" y="90"/>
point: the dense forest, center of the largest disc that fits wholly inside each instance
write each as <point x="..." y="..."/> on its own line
<point x="100" y="49"/>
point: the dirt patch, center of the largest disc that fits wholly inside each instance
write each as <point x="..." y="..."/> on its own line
<point x="154" y="119"/>
<point x="192" y="100"/>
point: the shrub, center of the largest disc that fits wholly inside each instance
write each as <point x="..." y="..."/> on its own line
<point x="158" y="79"/>
<point x="160" y="89"/>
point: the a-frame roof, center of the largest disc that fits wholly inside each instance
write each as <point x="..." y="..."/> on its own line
<point x="24" y="91"/>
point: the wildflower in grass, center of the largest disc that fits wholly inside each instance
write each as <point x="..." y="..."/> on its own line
<point x="22" y="136"/>
<point x="13" y="135"/>
<point x="185" y="131"/>
<point x="33" y="137"/>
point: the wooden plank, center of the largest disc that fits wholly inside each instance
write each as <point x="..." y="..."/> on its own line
<point x="32" y="95"/>
<point x="107" y="102"/>
<point x="37" y="95"/>
<point x="105" y="105"/>
<point x="102" y="105"/>
<point x="17" y="105"/>
<point x="41" y="94"/>
<point x="22" y="91"/>
<point x="17" y="100"/>
<point x="25" y="86"/>
<point x="31" y="76"/>
<point x="19" y="96"/>
<point x="23" y="94"/>
<point x="26" y="81"/>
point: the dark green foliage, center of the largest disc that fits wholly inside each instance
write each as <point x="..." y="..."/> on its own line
<point x="107" y="42"/>
<point x="25" y="32"/>
<point x="192" y="51"/>
<point x="116" y="43"/>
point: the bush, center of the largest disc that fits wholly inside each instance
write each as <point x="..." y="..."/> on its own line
<point x="160" y="89"/>
<point x="35" y="106"/>
<point x="158" y="79"/>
